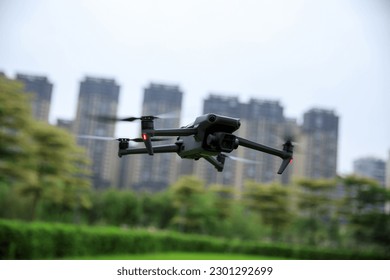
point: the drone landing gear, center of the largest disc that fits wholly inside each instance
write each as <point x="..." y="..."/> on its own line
<point x="218" y="162"/>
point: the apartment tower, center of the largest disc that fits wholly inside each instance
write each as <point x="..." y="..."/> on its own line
<point x="41" y="91"/>
<point x="98" y="97"/>
<point x="319" y="137"/>
<point x="371" y="167"/>
<point x="156" y="172"/>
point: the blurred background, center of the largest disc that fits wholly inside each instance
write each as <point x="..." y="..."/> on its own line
<point x="314" y="71"/>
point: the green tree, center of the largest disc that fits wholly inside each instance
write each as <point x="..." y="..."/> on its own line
<point x="363" y="208"/>
<point x="40" y="160"/>
<point x="118" y="207"/>
<point x="163" y="209"/>
<point x="273" y="203"/>
<point x="17" y="149"/>
<point x="363" y="194"/>
<point x="317" y="206"/>
<point x="154" y="209"/>
<point x="61" y="167"/>
<point x="242" y="223"/>
<point x="224" y="199"/>
<point x="194" y="207"/>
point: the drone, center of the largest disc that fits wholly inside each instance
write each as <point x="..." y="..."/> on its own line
<point x="209" y="137"/>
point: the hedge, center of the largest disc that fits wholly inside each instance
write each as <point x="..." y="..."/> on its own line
<point x="21" y="240"/>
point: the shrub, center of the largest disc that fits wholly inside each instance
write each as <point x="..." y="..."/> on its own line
<point x="20" y="240"/>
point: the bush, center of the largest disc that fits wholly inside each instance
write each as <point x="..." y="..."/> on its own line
<point x="20" y="240"/>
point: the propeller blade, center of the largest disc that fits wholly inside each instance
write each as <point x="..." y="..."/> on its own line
<point x="105" y="118"/>
<point x="97" y="137"/>
<point x="169" y="115"/>
<point x="289" y="135"/>
<point x="242" y="159"/>
<point x="102" y="118"/>
<point x="129" y="119"/>
<point x="288" y="138"/>
<point x="104" y="138"/>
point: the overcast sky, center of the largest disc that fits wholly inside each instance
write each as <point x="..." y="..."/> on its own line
<point x="332" y="54"/>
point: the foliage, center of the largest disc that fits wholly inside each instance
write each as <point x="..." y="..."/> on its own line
<point x="194" y="211"/>
<point x="52" y="241"/>
<point x="16" y="149"/>
<point x="365" y="194"/>
<point x="272" y="202"/>
<point x="40" y="161"/>
<point x="316" y="207"/>
<point x="364" y="208"/>
<point x="119" y="207"/>
<point x="224" y="197"/>
<point x="156" y="210"/>
<point x="61" y="169"/>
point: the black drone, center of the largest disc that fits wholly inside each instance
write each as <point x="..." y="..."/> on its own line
<point x="209" y="137"/>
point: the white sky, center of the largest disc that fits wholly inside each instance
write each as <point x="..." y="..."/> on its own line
<point x="332" y="54"/>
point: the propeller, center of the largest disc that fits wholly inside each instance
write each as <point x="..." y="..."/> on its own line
<point x="288" y="146"/>
<point x="298" y="146"/>
<point x="138" y="140"/>
<point x="288" y="138"/>
<point x="128" y="119"/>
<point x="289" y="134"/>
<point x="244" y="160"/>
<point x="170" y="115"/>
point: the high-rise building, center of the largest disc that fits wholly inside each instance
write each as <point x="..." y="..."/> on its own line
<point x="41" y="90"/>
<point x="158" y="171"/>
<point x="98" y="97"/>
<point x="371" y="167"/>
<point x="319" y="136"/>
<point x="223" y="105"/>
<point x="264" y="123"/>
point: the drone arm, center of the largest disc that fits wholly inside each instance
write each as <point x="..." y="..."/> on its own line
<point x="171" y="148"/>
<point x="285" y="155"/>
<point x="175" y="132"/>
<point x="262" y="148"/>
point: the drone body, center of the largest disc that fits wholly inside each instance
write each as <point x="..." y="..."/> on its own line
<point x="209" y="137"/>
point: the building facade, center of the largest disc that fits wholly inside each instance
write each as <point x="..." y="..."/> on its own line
<point x="158" y="171"/>
<point x="41" y="92"/>
<point x="371" y="167"/>
<point x="264" y="122"/>
<point x="319" y="137"/>
<point x="98" y="97"/>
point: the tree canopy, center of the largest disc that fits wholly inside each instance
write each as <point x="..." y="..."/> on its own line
<point x="40" y="160"/>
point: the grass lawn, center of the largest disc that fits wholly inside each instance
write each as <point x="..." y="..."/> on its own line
<point x="177" y="256"/>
